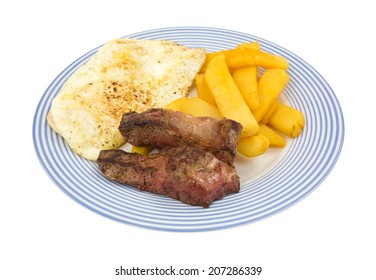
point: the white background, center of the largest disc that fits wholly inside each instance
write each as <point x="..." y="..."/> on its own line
<point x="46" y="235"/>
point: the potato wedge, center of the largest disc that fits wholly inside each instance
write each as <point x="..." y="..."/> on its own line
<point x="202" y="89"/>
<point x="253" y="146"/>
<point x="235" y="58"/>
<point x="287" y="120"/>
<point x="275" y="139"/>
<point x="229" y="100"/>
<point x="141" y="150"/>
<point x="176" y="104"/>
<point x="246" y="81"/>
<point x="266" y="118"/>
<point x="251" y="45"/>
<point x="200" y="108"/>
<point x="245" y="57"/>
<point x="209" y="58"/>
<point x="270" y="86"/>
<point x="268" y="60"/>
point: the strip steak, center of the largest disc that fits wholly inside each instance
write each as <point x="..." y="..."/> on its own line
<point x="160" y="128"/>
<point x="185" y="173"/>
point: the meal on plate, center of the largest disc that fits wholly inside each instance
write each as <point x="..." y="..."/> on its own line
<point x="184" y="146"/>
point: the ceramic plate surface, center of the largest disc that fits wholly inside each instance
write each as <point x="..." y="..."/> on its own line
<point x="269" y="183"/>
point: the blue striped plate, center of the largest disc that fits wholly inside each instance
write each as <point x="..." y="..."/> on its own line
<point x="269" y="183"/>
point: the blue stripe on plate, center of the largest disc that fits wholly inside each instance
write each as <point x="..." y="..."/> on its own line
<point x="302" y="166"/>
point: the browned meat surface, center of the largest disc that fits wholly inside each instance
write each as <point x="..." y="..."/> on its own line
<point x="185" y="173"/>
<point x="163" y="128"/>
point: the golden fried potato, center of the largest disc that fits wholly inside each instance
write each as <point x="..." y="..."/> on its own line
<point x="176" y="104"/>
<point x="200" y="108"/>
<point x="287" y="120"/>
<point x="229" y="100"/>
<point x="275" y="139"/>
<point x="251" y="45"/>
<point x="266" y="118"/>
<point x="202" y="89"/>
<point x="245" y="57"/>
<point x="141" y="150"/>
<point x="246" y="81"/>
<point x="270" y="86"/>
<point x="253" y="146"/>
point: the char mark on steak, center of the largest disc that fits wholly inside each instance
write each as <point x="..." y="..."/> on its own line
<point x="160" y="128"/>
<point x="185" y="173"/>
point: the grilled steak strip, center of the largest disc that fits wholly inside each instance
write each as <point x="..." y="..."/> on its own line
<point x="185" y="173"/>
<point x="160" y="128"/>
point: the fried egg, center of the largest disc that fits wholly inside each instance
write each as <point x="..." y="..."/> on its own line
<point x="124" y="75"/>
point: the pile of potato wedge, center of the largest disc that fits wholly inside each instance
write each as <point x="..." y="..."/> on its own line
<point x="229" y="85"/>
